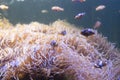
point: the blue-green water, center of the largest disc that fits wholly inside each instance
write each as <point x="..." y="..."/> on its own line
<point x="30" y="10"/>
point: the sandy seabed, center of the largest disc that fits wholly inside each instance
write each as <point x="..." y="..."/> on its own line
<point x="37" y="51"/>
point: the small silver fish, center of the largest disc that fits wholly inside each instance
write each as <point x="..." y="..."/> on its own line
<point x="78" y="16"/>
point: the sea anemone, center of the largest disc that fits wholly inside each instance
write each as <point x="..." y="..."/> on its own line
<point x="37" y="51"/>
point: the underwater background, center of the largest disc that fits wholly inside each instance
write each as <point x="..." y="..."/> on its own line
<point x="26" y="11"/>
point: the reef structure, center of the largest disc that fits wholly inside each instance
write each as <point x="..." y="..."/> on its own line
<point x="56" y="51"/>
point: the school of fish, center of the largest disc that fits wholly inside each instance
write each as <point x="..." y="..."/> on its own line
<point x="81" y="14"/>
<point x="60" y="9"/>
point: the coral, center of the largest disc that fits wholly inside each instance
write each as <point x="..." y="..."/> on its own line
<point x="37" y="51"/>
<point x="4" y="23"/>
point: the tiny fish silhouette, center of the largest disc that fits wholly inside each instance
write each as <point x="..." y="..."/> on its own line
<point x="87" y="32"/>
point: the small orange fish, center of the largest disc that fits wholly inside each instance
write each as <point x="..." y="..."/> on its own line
<point x="97" y="24"/>
<point x="3" y="7"/>
<point x="57" y="8"/>
<point x="100" y="7"/>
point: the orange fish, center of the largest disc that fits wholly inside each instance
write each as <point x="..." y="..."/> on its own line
<point x="57" y="8"/>
<point x="3" y="7"/>
<point x="100" y="7"/>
